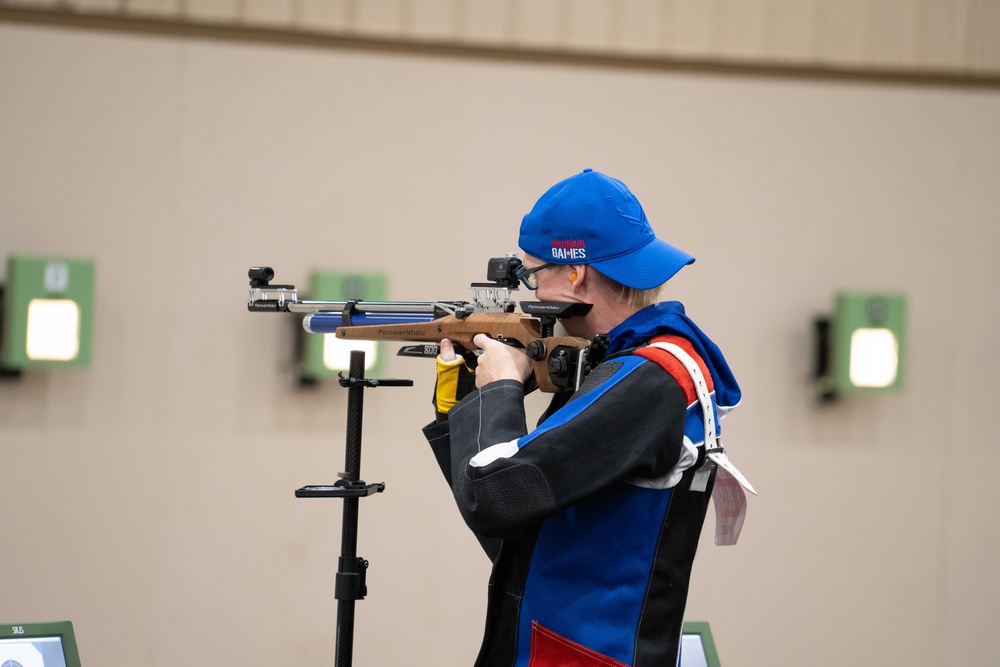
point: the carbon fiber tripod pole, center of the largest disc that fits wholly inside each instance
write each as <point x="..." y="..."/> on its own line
<point x="350" y="585"/>
<point x="351" y="573"/>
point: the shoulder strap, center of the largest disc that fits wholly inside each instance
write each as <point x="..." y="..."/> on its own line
<point x="727" y="494"/>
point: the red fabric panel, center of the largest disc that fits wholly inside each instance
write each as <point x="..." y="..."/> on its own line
<point x="670" y="364"/>
<point x="549" y="649"/>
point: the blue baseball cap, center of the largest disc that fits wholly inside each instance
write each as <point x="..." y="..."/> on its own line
<point x="591" y="218"/>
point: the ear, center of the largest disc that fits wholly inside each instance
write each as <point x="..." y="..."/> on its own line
<point x="577" y="274"/>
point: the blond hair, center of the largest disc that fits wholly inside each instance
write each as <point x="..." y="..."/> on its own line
<point x="634" y="298"/>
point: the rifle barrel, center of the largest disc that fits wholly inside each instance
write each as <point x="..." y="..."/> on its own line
<point x="330" y="307"/>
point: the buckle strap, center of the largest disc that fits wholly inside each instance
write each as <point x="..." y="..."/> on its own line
<point x="728" y="496"/>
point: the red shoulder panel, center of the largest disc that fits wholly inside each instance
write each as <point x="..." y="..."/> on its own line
<point x="670" y="364"/>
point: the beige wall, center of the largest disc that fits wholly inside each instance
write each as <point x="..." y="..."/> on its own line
<point x="149" y="498"/>
<point x="937" y="38"/>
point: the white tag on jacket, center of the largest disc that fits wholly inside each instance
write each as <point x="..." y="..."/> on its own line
<point x="727" y="495"/>
<point x="730" y="508"/>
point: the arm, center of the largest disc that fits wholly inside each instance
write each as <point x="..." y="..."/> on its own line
<point x="437" y="435"/>
<point x="627" y="419"/>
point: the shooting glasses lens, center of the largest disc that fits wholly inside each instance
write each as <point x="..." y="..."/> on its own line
<point x="527" y="276"/>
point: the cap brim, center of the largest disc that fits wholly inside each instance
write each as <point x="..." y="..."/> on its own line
<point x="650" y="266"/>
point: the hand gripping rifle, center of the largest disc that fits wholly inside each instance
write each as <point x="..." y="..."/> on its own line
<point x="560" y="362"/>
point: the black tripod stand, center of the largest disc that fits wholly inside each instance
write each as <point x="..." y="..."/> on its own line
<point x="350" y="584"/>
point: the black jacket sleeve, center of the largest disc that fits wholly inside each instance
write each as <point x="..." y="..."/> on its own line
<point x="437" y="435"/>
<point x="626" y="420"/>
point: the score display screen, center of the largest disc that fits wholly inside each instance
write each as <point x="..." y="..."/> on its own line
<point x="32" y="652"/>
<point x="50" y="644"/>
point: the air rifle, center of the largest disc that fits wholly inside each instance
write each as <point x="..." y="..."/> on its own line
<point x="559" y="362"/>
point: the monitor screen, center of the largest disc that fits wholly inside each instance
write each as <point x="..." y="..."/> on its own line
<point x="697" y="646"/>
<point x="38" y="645"/>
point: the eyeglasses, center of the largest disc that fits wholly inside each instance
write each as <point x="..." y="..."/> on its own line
<point x="527" y="276"/>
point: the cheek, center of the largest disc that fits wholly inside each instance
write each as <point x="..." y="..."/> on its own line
<point x="555" y="291"/>
<point x="549" y="291"/>
<point x="551" y="287"/>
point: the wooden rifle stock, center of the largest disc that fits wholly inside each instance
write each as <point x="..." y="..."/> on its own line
<point x="559" y="362"/>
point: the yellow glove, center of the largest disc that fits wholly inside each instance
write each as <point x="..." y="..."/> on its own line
<point x="455" y="379"/>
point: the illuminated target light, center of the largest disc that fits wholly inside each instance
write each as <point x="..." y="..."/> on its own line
<point x="861" y="348"/>
<point x="337" y="352"/>
<point x="874" y="358"/>
<point x="53" y="332"/>
<point x="324" y="356"/>
<point x="46" y="314"/>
